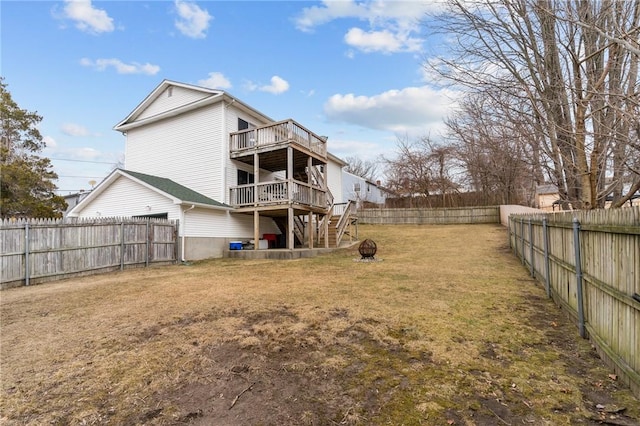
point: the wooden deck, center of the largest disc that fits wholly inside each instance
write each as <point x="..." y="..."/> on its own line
<point x="273" y="137"/>
<point x="278" y="194"/>
<point x="295" y="192"/>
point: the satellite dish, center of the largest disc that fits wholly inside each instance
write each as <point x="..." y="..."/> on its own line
<point x="92" y="183"/>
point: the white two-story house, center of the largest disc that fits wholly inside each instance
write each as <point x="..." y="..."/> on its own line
<point x="226" y="172"/>
<point x="363" y="191"/>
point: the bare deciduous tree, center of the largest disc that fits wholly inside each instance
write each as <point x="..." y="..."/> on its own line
<point x="420" y="168"/>
<point x="363" y="168"/>
<point x="496" y="156"/>
<point x="575" y="65"/>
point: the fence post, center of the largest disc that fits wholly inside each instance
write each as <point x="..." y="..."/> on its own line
<point x="514" y="235"/>
<point x="147" y="254"/>
<point x="522" y="240"/>
<point x="547" y="280"/>
<point x="531" y="262"/>
<point x="176" y="241"/>
<point x="122" y="245"/>
<point x="576" y="243"/>
<point x="27" y="268"/>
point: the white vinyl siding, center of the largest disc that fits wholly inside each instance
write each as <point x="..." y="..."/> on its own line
<point x="180" y="96"/>
<point x="203" y="222"/>
<point x="126" y="198"/>
<point x="358" y="189"/>
<point x="349" y="184"/>
<point x="185" y="149"/>
<point x="221" y="224"/>
<point x="334" y="181"/>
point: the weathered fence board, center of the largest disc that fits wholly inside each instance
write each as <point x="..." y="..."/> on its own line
<point x="592" y="267"/>
<point x="461" y="215"/>
<point x="43" y="250"/>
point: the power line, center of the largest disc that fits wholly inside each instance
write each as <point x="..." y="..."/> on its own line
<point x="84" y="161"/>
<point x="85" y="177"/>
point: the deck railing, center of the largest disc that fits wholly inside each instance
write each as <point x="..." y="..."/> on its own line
<point x="287" y="131"/>
<point x="340" y="208"/>
<point x="277" y="192"/>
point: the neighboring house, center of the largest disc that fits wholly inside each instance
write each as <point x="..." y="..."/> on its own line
<point x="633" y="201"/>
<point x="547" y="197"/>
<point x="226" y="171"/>
<point x="72" y="200"/>
<point x="360" y="190"/>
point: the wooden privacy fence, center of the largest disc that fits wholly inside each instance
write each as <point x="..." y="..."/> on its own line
<point x="459" y="215"/>
<point x="589" y="263"/>
<point x="34" y="251"/>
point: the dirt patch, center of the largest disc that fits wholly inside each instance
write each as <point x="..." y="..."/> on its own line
<point x="265" y="378"/>
<point x="252" y="388"/>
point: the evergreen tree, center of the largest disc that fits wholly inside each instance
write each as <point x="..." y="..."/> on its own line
<point x="27" y="187"/>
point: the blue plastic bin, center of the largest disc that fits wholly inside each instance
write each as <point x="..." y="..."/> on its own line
<point x="235" y="245"/>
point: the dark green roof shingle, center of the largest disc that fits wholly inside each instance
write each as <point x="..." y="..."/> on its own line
<point x="175" y="189"/>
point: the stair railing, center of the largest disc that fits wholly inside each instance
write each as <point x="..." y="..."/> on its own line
<point x="327" y="217"/>
<point x="343" y="222"/>
<point x="298" y="228"/>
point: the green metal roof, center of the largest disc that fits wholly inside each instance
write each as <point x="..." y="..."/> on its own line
<point x="175" y="189"/>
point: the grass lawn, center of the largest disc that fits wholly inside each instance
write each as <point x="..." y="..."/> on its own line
<point x="446" y="329"/>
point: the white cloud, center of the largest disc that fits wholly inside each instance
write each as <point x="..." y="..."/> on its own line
<point x="88" y="18"/>
<point x="383" y="41"/>
<point x="330" y="10"/>
<point x="87" y="153"/>
<point x="50" y="142"/>
<point x="73" y="129"/>
<point x="365" y="150"/>
<point x="216" y="80"/>
<point x="120" y="67"/>
<point x="193" y="21"/>
<point x="392" y="24"/>
<point x="278" y="85"/>
<point x="84" y="153"/>
<point x="376" y="12"/>
<point x="412" y="110"/>
<point x="249" y="86"/>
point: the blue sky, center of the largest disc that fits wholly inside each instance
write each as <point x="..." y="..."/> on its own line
<point x="350" y="70"/>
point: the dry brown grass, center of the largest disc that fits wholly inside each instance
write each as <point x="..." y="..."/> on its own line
<point x="446" y="329"/>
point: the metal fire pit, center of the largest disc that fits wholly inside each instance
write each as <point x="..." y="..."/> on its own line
<point x="367" y="249"/>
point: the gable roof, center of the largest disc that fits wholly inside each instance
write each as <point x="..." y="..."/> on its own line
<point x="337" y="159"/>
<point x="546" y="189"/>
<point x="179" y="194"/>
<point x="210" y="96"/>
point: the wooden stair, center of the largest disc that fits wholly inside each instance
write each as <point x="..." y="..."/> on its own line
<point x="281" y="222"/>
<point x="333" y="233"/>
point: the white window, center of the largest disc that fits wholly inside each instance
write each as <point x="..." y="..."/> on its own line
<point x="356" y="187"/>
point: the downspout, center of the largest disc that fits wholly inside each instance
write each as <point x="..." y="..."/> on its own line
<point x="184" y="228"/>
